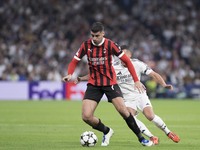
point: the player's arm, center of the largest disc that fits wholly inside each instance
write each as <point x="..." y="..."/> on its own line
<point x="72" y="65"/>
<point x="157" y="77"/>
<point x="70" y="71"/>
<point x="83" y="78"/>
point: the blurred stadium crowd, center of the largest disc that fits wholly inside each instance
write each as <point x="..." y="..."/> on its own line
<point x="38" y="38"/>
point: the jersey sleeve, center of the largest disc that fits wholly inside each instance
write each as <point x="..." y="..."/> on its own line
<point x="117" y="50"/>
<point x="77" y="57"/>
<point x="80" y="53"/>
<point x="130" y="67"/>
<point x="144" y="68"/>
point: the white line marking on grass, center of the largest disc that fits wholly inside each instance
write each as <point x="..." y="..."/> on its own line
<point x="60" y="125"/>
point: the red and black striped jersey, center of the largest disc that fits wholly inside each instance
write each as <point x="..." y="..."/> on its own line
<point x="100" y="58"/>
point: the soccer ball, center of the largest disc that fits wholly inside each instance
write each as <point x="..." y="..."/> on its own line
<point x="88" y="138"/>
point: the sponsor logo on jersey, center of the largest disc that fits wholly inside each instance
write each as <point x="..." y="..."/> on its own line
<point x="119" y="73"/>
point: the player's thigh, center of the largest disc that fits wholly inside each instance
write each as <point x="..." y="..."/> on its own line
<point x="145" y="106"/>
<point x="143" y="101"/>
<point x="114" y="95"/>
<point x="118" y="102"/>
<point x="94" y="93"/>
<point x="132" y="111"/>
<point x="88" y="108"/>
<point x="112" y="92"/>
<point x="130" y="100"/>
<point x="131" y="105"/>
<point x="149" y="113"/>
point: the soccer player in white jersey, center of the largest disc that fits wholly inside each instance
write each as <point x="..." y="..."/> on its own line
<point x="135" y="100"/>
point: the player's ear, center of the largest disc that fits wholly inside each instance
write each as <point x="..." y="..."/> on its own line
<point x="103" y="33"/>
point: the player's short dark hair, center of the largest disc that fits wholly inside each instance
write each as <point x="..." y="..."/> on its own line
<point x="124" y="47"/>
<point x="97" y="27"/>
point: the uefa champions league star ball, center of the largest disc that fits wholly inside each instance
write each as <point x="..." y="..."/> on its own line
<point x="88" y="139"/>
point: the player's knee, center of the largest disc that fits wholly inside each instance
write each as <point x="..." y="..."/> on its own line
<point x="124" y="112"/>
<point x="150" y="117"/>
<point x="86" y="117"/>
<point x="148" y="112"/>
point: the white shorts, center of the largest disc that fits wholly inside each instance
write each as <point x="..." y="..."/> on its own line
<point x="137" y="101"/>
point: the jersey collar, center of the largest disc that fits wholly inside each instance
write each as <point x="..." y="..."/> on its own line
<point x="99" y="43"/>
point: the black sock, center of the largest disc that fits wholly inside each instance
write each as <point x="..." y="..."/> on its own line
<point x="101" y="127"/>
<point x="134" y="127"/>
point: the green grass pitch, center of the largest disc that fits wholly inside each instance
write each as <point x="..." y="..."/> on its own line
<point x="57" y="125"/>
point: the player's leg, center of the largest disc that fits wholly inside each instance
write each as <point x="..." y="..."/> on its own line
<point x="143" y="128"/>
<point x="114" y="94"/>
<point x="121" y="108"/>
<point x="145" y="106"/>
<point x="160" y="124"/>
<point x="147" y="109"/>
<point x="88" y="108"/>
<point x="132" y="107"/>
<point x="91" y="99"/>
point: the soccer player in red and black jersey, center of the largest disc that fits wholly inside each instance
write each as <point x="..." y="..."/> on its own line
<point x="102" y="80"/>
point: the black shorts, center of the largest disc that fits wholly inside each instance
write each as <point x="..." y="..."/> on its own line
<point x="96" y="92"/>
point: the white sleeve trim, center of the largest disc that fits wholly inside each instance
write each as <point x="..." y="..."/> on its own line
<point x="77" y="58"/>
<point x="121" y="55"/>
<point x="148" y="71"/>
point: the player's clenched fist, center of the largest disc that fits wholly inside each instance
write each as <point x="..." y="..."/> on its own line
<point x="67" y="78"/>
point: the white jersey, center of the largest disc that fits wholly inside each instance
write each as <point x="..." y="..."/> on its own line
<point x="124" y="77"/>
<point x="132" y="97"/>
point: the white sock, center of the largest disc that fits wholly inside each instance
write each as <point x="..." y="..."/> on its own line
<point x="160" y="124"/>
<point x="143" y="128"/>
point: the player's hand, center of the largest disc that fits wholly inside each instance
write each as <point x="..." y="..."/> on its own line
<point x="169" y="86"/>
<point x="140" y="87"/>
<point x="77" y="80"/>
<point x="67" y="78"/>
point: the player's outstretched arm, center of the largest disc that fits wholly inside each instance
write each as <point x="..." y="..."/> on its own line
<point x="157" y="77"/>
<point x="71" y="68"/>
